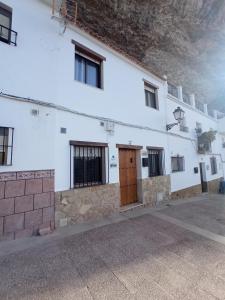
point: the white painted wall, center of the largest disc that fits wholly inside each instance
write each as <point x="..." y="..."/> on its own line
<point x="42" y="67"/>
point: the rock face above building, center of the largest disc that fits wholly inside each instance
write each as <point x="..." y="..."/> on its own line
<point x="183" y="39"/>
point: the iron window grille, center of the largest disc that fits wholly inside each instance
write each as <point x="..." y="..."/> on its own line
<point x="177" y="163"/>
<point x="6" y="146"/>
<point x="155" y="162"/>
<point x="213" y="164"/>
<point x="172" y="90"/>
<point x="151" y="96"/>
<point x="89" y="166"/>
<point x="7" y="35"/>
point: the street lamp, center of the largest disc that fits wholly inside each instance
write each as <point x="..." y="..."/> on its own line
<point x="178" y="116"/>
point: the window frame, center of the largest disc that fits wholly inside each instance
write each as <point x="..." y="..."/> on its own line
<point x="161" y="162"/>
<point x="87" y="145"/>
<point x="178" y="164"/>
<point x="150" y="88"/>
<point x="89" y="55"/>
<point x="213" y="164"/>
<point x="7" y="12"/>
<point x="7" y="146"/>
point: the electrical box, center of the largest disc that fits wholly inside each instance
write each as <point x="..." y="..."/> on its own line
<point x="196" y="170"/>
<point x="145" y="162"/>
<point x="109" y="126"/>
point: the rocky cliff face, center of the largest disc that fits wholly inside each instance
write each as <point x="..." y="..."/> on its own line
<point x="184" y="39"/>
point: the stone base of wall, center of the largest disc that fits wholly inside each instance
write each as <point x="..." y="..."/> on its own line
<point x="189" y="192"/>
<point x="213" y="186"/>
<point x="86" y="204"/>
<point x="155" y="190"/>
<point x="26" y="203"/>
<point x="196" y="190"/>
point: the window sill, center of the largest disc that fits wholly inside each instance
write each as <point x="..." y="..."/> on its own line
<point x="178" y="171"/>
<point x="155" y="109"/>
<point x="87" y="186"/>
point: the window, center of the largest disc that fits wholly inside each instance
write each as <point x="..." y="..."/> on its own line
<point x="89" y="165"/>
<point x="186" y="98"/>
<point x="5" y="23"/>
<point x="155" y="162"/>
<point x="172" y="90"/>
<point x="88" y="66"/>
<point x="6" y="146"/>
<point x="151" y="96"/>
<point x="177" y="163"/>
<point x="199" y="105"/>
<point x="213" y="164"/>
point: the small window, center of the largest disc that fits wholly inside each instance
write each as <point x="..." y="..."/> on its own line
<point x="177" y="163"/>
<point x="6" y="146"/>
<point x="199" y="105"/>
<point x="88" y="66"/>
<point x="89" y="166"/>
<point x="186" y="98"/>
<point x="172" y="90"/>
<point x="5" y="23"/>
<point x="155" y="162"/>
<point x="213" y="165"/>
<point x="151" y="96"/>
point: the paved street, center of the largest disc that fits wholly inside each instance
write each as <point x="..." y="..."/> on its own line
<point x="151" y="255"/>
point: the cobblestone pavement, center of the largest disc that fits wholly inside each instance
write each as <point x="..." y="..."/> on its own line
<point x="144" y="257"/>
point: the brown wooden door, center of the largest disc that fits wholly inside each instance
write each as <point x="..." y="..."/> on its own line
<point x="128" y="176"/>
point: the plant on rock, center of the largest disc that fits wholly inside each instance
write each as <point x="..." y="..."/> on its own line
<point x="205" y="140"/>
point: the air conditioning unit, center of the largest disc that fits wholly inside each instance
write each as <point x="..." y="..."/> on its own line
<point x="223" y="145"/>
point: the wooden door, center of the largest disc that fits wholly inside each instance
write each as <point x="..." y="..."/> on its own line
<point x="128" y="176"/>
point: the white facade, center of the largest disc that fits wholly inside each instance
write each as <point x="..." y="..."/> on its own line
<point x="39" y="74"/>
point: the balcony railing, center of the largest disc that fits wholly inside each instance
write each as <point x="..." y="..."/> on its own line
<point x="172" y="90"/>
<point x="199" y="105"/>
<point x="8" y="35"/>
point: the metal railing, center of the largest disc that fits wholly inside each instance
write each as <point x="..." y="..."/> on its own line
<point x="8" y="35"/>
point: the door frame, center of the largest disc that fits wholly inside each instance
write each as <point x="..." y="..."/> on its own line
<point x="138" y="149"/>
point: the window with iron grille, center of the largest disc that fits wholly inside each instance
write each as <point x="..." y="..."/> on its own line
<point x="151" y="97"/>
<point x="7" y="35"/>
<point x="155" y="162"/>
<point x="89" y="166"/>
<point x="199" y="105"/>
<point x="6" y="146"/>
<point x="213" y="165"/>
<point x="88" y="66"/>
<point x="177" y="163"/>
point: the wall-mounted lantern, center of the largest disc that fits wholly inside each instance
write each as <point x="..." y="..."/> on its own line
<point x="178" y="116"/>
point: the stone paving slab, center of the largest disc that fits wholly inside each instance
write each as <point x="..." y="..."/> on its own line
<point x="143" y="256"/>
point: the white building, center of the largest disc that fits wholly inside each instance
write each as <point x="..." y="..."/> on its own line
<point x="83" y="127"/>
